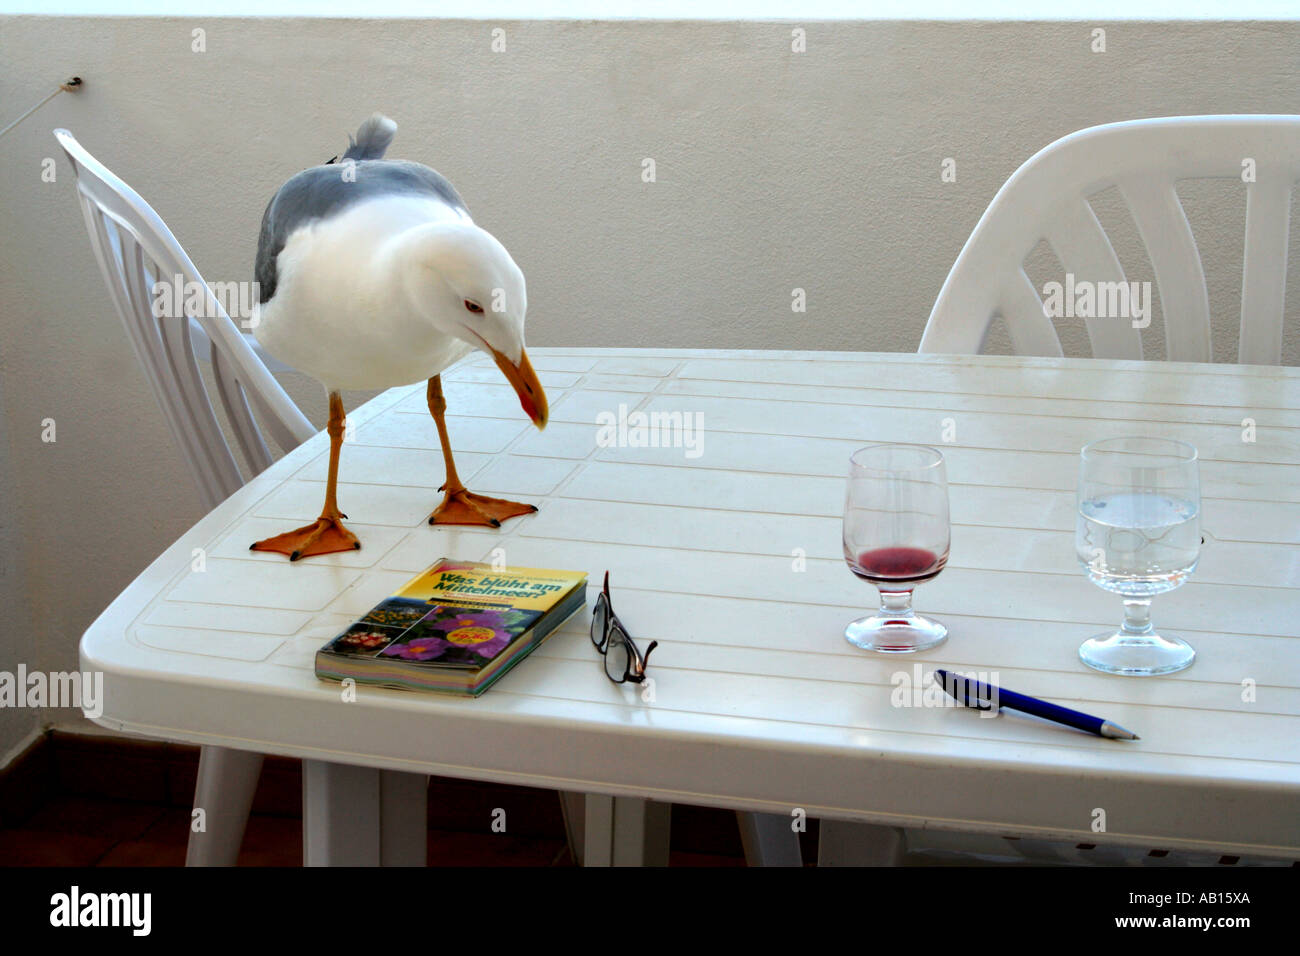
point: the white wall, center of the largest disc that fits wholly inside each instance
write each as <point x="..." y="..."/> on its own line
<point x="775" y="170"/>
<point x="17" y="640"/>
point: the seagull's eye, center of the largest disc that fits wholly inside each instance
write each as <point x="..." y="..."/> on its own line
<point x="474" y="307"/>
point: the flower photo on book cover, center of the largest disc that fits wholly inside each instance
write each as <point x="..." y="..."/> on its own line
<point x="460" y="635"/>
<point x="366" y="639"/>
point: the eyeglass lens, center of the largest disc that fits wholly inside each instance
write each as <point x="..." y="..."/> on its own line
<point x="599" y="617"/>
<point x="618" y="656"/>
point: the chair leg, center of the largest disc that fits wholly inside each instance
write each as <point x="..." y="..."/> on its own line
<point x="768" y="839"/>
<point x="843" y="843"/>
<point x="574" y="807"/>
<point x="224" y="792"/>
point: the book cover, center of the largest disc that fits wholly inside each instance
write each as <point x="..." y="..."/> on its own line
<point x="456" y="627"/>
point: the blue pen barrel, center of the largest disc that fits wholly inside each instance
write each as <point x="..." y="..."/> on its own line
<point x="985" y="696"/>
<point x="970" y="692"/>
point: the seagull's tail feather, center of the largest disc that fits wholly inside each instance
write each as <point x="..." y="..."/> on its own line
<point x="373" y="138"/>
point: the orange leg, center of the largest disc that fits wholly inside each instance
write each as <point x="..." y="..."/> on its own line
<point x="326" y="534"/>
<point x="458" y="505"/>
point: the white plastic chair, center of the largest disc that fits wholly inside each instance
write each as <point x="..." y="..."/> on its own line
<point x="134" y="248"/>
<point x="1047" y="199"/>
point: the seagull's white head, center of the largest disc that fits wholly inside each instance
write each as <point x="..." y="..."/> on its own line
<point x="464" y="281"/>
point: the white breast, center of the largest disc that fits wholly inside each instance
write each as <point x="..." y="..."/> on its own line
<point x="336" y="316"/>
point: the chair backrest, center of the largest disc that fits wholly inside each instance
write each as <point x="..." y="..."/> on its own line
<point x="1047" y="199"/>
<point x="135" y="250"/>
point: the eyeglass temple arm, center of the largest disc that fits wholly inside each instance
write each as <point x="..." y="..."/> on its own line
<point x="645" y="658"/>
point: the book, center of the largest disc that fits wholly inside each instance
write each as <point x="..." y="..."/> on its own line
<point x="455" y="628"/>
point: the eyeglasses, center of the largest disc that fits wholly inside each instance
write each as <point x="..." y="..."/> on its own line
<point x="623" y="662"/>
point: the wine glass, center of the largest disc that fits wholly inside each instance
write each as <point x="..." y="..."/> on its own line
<point x="896" y="536"/>
<point x="1138" y="534"/>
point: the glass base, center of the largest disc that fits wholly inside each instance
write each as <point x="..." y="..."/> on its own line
<point x="1133" y="656"/>
<point x="895" y="635"/>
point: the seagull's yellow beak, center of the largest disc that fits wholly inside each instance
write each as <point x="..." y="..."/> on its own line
<point x="524" y="381"/>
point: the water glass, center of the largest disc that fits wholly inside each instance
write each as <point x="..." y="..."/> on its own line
<point x="1138" y="534"/>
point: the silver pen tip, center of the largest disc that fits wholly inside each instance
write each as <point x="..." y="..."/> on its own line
<point x="1116" y="732"/>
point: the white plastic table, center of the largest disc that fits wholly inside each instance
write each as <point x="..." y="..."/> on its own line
<point x="728" y="553"/>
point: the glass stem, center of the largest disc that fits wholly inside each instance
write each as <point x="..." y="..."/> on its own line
<point x="1137" y="617"/>
<point x="896" y="605"/>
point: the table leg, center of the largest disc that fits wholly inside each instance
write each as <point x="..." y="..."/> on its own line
<point x="224" y="792"/>
<point x="403" y="818"/>
<point x="358" y="816"/>
<point x="843" y="843"/>
<point x="625" y="831"/>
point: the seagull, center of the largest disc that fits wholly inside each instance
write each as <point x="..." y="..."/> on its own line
<point x="371" y="274"/>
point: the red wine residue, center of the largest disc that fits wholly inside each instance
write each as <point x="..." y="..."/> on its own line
<point x="898" y="564"/>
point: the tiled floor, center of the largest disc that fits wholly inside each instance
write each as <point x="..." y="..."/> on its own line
<point x="80" y="831"/>
<point x="91" y="801"/>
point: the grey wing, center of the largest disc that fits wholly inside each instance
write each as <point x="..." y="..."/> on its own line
<point x="323" y="191"/>
<point x="268" y="250"/>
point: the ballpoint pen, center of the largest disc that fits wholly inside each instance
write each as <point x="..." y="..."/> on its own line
<point x="984" y="696"/>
